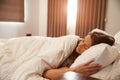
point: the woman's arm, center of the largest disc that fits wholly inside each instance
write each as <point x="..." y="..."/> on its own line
<point x="54" y="73"/>
<point x="85" y="70"/>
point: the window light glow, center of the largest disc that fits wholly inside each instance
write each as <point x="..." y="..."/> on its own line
<point x="71" y="16"/>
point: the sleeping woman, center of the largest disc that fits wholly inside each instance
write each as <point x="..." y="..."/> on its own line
<point x="85" y="69"/>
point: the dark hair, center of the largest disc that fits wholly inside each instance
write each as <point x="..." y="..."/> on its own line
<point x="98" y="37"/>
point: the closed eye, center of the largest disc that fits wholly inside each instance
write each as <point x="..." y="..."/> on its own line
<point x="86" y="47"/>
<point x="82" y="40"/>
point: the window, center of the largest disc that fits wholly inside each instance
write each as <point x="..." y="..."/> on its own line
<point x="12" y="10"/>
<point x="71" y="16"/>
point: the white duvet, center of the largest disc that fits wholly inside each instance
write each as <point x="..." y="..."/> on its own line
<point x="26" y="58"/>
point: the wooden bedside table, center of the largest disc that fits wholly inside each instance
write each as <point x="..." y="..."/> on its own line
<point x="73" y="76"/>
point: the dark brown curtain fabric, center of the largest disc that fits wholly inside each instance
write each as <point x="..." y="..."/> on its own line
<point x="12" y="10"/>
<point x="90" y="15"/>
<point x="57" y="18"/>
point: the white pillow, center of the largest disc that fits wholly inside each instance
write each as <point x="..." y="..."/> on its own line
<point x="103" y="54"/>
<point x="115" y="71"/>
<point x="117" y="41"/>
<point x="117" y="37"/>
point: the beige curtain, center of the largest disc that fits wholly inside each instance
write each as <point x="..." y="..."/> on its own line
<point x="57" y="18"/>
<point x="90" y="15"/>
<point x="12" y="10"/>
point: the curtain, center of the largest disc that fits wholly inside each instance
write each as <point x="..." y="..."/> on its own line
<point x="12" y="10"/>
<point x="57" y="18"/>
<point x="90" y="15"/>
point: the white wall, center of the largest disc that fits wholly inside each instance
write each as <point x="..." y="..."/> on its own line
<point x="113" y="17"/>
<point x="31" y="24"/>
<point x="43" y="17"/>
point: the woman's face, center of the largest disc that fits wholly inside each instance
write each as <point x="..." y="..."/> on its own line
<point x="84" y="44"/>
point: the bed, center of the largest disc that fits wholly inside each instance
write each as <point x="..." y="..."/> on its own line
<point x="26" y="58"/>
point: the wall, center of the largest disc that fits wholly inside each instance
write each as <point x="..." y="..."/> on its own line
<point x="43" y="17"/>
<point x="31" y="24"/>
<point x="113" y="17"/>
